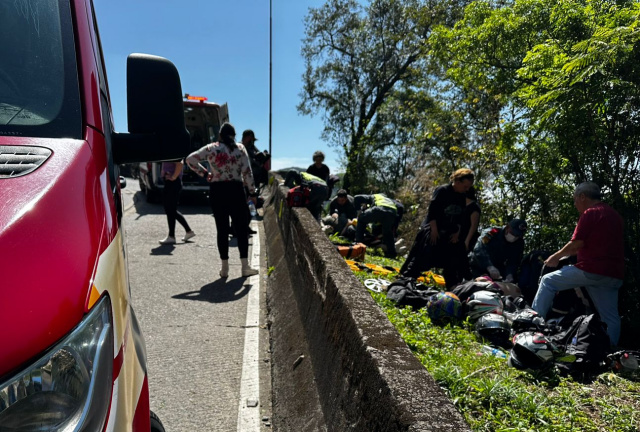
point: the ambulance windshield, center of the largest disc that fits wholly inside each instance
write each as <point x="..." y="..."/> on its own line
<point x="39" y="94"/>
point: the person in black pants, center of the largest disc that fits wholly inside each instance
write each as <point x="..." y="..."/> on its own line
<point x="171" y="172"/>
<point x="230" y="173"/>
<point x="438" y="241"/>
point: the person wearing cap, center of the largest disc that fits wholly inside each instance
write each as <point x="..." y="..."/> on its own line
<point x="598" y="243"/>
<point x="318" y="168"/>
<point x="259" y="159"/>
<point x="438" y="243"/>
<point x="498" y="251"/>
<point x="342" y="212"/>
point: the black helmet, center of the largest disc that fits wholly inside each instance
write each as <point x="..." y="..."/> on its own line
<point x="495" y="329"/>
<point x="526" y="320"/>
<point x="532" y="351"/>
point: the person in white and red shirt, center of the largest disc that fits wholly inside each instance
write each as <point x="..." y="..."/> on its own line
<point x="230" y="172"/>
<point x="598" y="243"/>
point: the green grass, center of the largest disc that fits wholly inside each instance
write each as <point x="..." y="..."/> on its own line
<point x="495" y="397"/>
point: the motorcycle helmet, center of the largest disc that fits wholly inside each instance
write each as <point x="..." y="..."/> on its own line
<point x="526" y="320"/>
<point x="514" y="304"/>
<point x="444" y="307"/>
<point x="483" y="302"/>
<point x="495" y="329"/>
<point x="532" y="351"/>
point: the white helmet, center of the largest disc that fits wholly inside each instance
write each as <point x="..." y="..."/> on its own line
<point x="483" y="302"/>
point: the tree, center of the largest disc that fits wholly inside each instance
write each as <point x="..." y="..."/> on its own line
<point x="355" y="57"/>
<point x="569" y="73"/>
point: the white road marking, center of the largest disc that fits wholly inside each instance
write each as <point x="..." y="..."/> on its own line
<point x="248" y="409"/>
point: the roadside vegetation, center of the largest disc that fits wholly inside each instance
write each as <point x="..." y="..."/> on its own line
<point x="495" y="397"/>
<point x="535" y="96"/>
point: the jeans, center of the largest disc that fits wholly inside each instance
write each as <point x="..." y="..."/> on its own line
<point x="603" y="291"/>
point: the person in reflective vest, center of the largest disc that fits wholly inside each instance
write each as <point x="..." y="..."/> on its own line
<point x="381" y="210"/>
<point x="318" y="190"/>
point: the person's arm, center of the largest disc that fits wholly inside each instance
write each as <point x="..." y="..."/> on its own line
<point x="514" y="260"/>
<point x="475" y="221"/>
<point x="434" y="231"/>
<point x="176" y="171"/>
<point x="569" y="249"/>
<point x="481" y="251"/>
<point x="247" y="174"/>
<point x="194" y="159"/>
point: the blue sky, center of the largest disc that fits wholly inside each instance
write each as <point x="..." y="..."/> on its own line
<point x="221" y="49"/>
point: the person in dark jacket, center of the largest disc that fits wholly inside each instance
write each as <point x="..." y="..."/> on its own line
<point x="382" y="210"/>
<point x="438" y="241"/>
<point x="342" y="212"/>
<point x="498" y="251"/>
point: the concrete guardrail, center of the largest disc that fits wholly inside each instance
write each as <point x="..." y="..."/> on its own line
<point x="338" y="364"/>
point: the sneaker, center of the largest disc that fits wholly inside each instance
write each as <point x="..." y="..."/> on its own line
<point x="400" y="242"/>
<point x="167" y="241"/>
<point x="188" y="235"/>
<point x="249" y="272"/>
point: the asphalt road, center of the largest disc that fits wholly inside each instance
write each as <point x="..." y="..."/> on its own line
<point x="207" y="339"/>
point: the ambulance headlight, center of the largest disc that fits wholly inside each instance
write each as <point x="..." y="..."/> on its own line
<point x="69" y="389"/>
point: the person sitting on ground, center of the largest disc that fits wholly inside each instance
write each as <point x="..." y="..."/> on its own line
<point x="317" y="187"/>
<point x="437" y="243"/>
<point x="498" y="251"/>
<point x="382" y="210"/>
<point x="342" y="212"/>
<point x="318" y="168"/>
<point x="598" y="243"/>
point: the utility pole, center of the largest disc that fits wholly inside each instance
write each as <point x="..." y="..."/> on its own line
<point x="270" y="71"/>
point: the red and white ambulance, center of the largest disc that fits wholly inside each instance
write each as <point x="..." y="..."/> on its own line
<point x="72" y="356"/>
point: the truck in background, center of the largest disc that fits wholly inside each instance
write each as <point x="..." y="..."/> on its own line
<point x="203" y="120"/>
<point x="72" y="355"/>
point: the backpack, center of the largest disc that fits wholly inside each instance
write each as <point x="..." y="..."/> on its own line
<point x="586" y="339"/>
<point x="298" y="196"/>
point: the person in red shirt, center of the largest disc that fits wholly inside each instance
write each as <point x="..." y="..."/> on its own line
<point x="598" y="243"/>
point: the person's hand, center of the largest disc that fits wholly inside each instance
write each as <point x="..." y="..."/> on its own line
<point x="335" y="216"/>
<point x="453" y="238"/>
<point x="466" y="245"/>
<point x="209" y="176"/>
<point x="434" y="237"/>
<point x="552" y="261"/>
<point x="494" y="273"/>
<point x="508" y="278"/>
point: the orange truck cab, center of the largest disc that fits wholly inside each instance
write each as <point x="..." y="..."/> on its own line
<point x="72" y="356"/>
<point x="203" y="120"/>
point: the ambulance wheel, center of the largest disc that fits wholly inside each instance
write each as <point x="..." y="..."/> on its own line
<point x="156" y="424"/>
